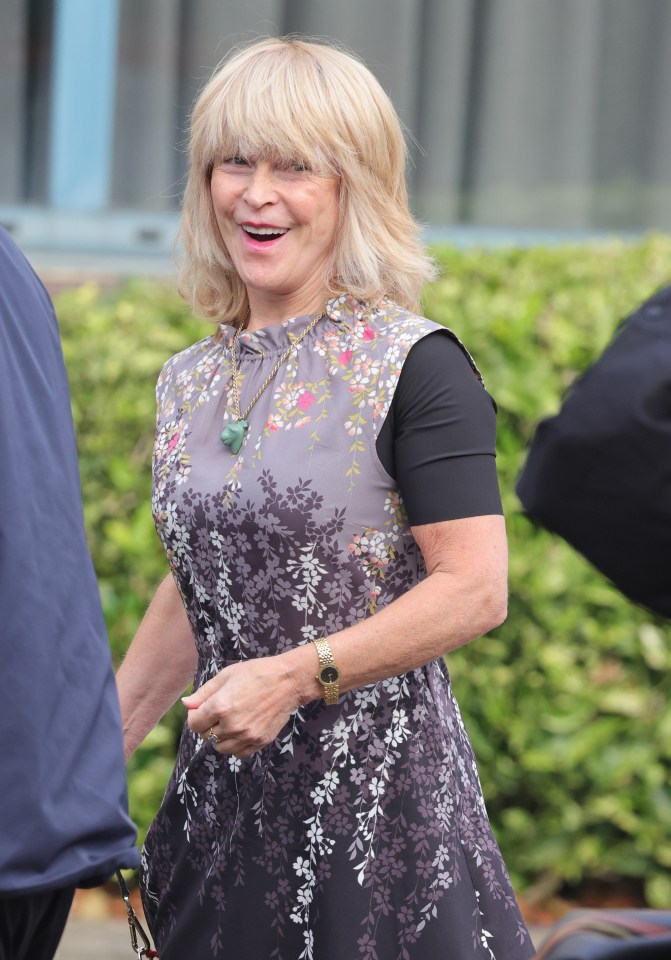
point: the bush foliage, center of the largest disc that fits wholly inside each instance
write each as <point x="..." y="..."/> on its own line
<point x="568" y="703"/>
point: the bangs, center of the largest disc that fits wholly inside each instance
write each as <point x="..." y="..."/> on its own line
<point x="275" y="107"/>
<point x="255" y="140"/>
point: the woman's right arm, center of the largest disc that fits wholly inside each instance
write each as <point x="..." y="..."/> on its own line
<point x="158" y="666"/>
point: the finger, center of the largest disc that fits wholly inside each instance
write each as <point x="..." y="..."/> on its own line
<point x="199" y="696"/>
<point x="205" y="691"/>
<point x="202" y="719"/>
<point x="212" y="736"/>
<point x="232" y="746"/>
<point x="213" y="710"/>
<point x="239" y="743"/>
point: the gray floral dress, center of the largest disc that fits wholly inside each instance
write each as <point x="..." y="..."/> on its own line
<point x="361" y="831"/>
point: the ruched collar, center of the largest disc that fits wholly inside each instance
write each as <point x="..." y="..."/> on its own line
<point x="275" y="338"/>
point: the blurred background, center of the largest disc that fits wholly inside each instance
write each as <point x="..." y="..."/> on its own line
<point x="540" y="134"/>
<point x="526" y="116"/>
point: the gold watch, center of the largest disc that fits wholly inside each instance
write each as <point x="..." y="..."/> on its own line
<point x="328" y="674"/>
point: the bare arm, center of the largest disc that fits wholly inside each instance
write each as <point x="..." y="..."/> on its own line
<point x="158" y="666"/>
<point x="463" y="596"/>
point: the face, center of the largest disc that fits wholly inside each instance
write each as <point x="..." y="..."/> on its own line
<point x="279" y="223"/>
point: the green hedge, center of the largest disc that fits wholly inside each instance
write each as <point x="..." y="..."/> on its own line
<point x="567" y="703"/>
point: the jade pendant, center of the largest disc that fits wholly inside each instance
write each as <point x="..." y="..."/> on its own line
<point x="233" y="434"/>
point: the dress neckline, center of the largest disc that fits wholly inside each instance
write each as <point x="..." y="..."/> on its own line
<point x="275" y="338"/>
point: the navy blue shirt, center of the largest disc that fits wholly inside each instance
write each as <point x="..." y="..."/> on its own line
<point x="63" y="805"/>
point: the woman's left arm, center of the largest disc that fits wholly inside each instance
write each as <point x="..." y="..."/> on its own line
<point x="463" y="596"/>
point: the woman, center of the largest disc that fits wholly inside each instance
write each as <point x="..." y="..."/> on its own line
<point x="324" y="486"/>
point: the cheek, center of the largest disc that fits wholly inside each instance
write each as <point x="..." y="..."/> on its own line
<point x="220" y="198"/>
<point x="321" y="209"/>
<point x="331" y="217"/>
<point x="325" y="220"/>
<point x="330" y="221"/>
<point x="221" y="223"/>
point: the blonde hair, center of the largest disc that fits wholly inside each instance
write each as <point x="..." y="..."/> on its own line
<point x="293" y="100"/>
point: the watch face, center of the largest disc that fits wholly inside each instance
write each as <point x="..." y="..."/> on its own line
<point x="329" y="674"/>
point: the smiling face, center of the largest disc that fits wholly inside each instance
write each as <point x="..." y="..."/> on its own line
<point x="278" y="222"/>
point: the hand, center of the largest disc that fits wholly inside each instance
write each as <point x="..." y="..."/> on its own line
<point x="247" y="704"/>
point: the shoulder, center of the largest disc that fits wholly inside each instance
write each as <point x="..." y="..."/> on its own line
<point x="186" y="361"/>
<point x="394" y="322"/>
<point x="183" y="375"/>
<point x="25" y="301"/>
<point x="379" y="329"/>
<point x="370" y="321"/>
<point x="421" y="342"/>
<point x="441" y="353"/>
<point x="439" y="376"/>
<point x="12" y="260"/>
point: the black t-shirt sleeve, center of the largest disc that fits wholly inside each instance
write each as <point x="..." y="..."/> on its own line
<point x="438" y="440"/>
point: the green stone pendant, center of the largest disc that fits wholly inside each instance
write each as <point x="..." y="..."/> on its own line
<point x="233" y="434"/>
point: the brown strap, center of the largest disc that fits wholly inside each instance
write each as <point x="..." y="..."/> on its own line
<point x="617" y="926"/>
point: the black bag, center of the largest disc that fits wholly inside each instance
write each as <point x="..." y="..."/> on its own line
<point x="610" y="935"/>
<point x="599" y="472"/>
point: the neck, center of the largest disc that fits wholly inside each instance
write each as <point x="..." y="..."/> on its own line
<point x="265" y="312"/>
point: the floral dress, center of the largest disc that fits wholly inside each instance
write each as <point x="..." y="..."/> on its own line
<point x="360" y="833"/>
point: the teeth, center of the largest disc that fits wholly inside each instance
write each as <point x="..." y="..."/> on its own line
<point x="265" y="231"/>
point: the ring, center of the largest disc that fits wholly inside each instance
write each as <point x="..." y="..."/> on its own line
<point x="212" y="737"/>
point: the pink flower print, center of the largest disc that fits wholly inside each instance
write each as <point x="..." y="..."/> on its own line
<point x="368" y="333"/>
<point x="173" y="442"/>
<point x="305" y="400"/>
<point x="345" y="357"/>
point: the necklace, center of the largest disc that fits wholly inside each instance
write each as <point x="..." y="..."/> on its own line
<point x="234" y="433"/>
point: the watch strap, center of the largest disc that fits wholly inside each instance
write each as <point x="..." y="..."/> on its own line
<point x="325" y="655"/>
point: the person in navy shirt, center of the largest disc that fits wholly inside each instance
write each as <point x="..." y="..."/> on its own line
<point x="63" y="803"/>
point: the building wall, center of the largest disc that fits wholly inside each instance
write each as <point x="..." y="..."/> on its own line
<point x="549" y="114"/>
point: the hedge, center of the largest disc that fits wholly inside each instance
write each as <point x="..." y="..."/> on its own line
<point x="567" y="703"/>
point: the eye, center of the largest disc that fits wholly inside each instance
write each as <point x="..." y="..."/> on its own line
<point x="235" y="162"/>
<point x="292" y="167"/>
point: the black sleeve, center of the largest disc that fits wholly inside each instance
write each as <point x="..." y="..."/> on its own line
<point x="438" y="440"/>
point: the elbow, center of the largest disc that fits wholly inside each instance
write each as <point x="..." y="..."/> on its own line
<point x="494" y="607"/>
<point x="499" y="615"/>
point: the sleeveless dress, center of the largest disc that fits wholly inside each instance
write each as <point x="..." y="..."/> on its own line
<point x="360" y="833"/>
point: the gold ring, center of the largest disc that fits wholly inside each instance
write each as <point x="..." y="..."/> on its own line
<point x="212" y="737"/>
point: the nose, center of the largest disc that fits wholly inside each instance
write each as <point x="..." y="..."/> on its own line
<point x="261" y="187"/>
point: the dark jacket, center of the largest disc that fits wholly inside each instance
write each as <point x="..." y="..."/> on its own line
<point x="598" y="473"/>
<point x="63" y="806"/>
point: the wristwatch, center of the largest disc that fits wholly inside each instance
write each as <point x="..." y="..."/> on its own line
<point x="328" y="674"/>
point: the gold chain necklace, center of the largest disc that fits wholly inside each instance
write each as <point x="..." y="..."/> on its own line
<point x="234" y="433"/>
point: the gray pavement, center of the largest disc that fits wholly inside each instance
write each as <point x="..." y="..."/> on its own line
<point x="104" y="939"/>
<point x="107" y="939"/>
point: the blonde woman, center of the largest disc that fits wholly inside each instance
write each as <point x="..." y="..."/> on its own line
<point x="325" y="489"/>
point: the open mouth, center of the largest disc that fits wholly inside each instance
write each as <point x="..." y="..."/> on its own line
<point x="264" y="234"/>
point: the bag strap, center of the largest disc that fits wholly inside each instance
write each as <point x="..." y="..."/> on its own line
<point x="135" y="927"/>
<point x="615" y="925"/>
